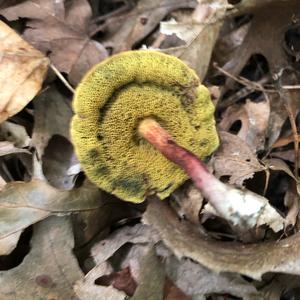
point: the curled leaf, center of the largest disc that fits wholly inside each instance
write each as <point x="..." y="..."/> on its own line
<point x="251" y="260"/>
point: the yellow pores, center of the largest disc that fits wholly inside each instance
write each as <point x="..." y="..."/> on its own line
<point x="110" y="102"/>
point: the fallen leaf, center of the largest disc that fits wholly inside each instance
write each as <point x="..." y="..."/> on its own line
<point x="254" y="118"/>
<point x="49" y="270"/>
<point x="185" y="31"/>
<point x="206" y="22"/>
<point x="142" y="20"/>
<point x="277" y="164"/>
<point x="58" y="158"/>
<point x="280" y="285"/>
<point x="235" y="159"/>
<point x="9" y="148"/>
<point x="8" y="244"/>
<point x="23" y="70"/>
<point x="25" y="203"/>
<point x="283" y="141"/>
<point x="196" y="280"/>
<point x="255" y="39"/>
<point x="86" y="289"/>
<point x="14" y="133"/>
<point x="88" y="224"/>
<point x="189" y="201"/>
<point x="252" y="260"/>
<point x="288" y="155"/>
<point x="277" y="52"/>
<point x="137" y="234"/>
<point x="122" y="281"/>
<point x="291" y="201"/>
<point x="63" y="29"/>
<point x="52" y="114"/>
<point x="151" y="281"/>
<point x="172" y="292"/>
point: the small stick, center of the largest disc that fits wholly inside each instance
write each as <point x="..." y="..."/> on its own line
<point x="62" y="78"/>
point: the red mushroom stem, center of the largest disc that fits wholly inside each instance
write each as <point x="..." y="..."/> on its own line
<point x="163" y="142"/>
<point x="243" y="208"/>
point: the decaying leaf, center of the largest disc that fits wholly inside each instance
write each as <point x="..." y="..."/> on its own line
<point x="152" y="278"/>
<point x="86" y="288"/>
<point x="142" y="237"/>
<point x="63" y="29"/>
<point x="274" y="42"/>
<point x="142" y="20"/>
<point x="88" y="224"/>
<point x="23" y="70"/>
<point x="281" y="285"/>
<point x="283" y="141"/>
<point x="138" y="234"/>
<point x="9" y="148"/>
<point x="52" y="117"/>
<point x="189" y="201"/>
<point x="254" y="118"/>
<point x="121" y="280"/>
<point x="283" y="12"/>
<point x="286" y="155"/>
<point x="8" y="244"/>
<point x="49" y="270"/>
<point x="25" y="203"/>
<point x="58" y="158"/>
<point x="252" y="260"/>
<point x="172" y="292"/>
<point x="206" y="22"/>
<point x="185" y="31"/>
<point x="277" y="164"/>
<point x="235" y="159"/>
<point x="196" y="280"/>
<point x="15" y="134"/>
<point x="51" y="134"/>
<point x="292" y="202"/>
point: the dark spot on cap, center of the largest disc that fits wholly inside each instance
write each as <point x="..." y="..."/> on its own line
<point x="134" y="187"/>
<point x="93" y="154"/>
<point x="102" y="170"/>
<point x="99" y="137"/>
<point x="204" y="143"/>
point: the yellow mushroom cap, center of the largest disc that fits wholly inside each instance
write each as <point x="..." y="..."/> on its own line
<point x="110" y="102"/>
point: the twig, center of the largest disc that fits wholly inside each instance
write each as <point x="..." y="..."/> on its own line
<point x="246" y="82"/>
<point x="62" y="78"/>
<point x="291" y="87"/>
<point x="295" y="135"/>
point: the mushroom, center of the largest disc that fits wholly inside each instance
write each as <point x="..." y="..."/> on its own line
<point x="138" y="102"/>
<point x="111" y="102"/>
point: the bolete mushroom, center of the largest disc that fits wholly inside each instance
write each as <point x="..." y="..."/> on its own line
<point x="115" y="103"/>
<point x="139" y="99"/>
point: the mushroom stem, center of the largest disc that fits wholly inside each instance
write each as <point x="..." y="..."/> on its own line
<point x="163" y="142"/>
<point x="243" y="208"/>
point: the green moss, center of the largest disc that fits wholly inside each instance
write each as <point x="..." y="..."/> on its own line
<point x="119" y="92"/>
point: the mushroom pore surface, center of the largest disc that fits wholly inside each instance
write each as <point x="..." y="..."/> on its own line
<point x="109" y="104"/>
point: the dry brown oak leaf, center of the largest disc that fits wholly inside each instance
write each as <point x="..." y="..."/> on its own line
<point x="22" y="71"/>
<point x="61" y="28"/>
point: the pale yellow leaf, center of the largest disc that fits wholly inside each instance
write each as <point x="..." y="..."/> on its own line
<point x="22" y="71"/>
